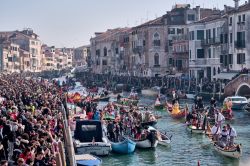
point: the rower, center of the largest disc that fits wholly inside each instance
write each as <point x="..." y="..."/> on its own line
<point x="175" y="97"/>
<point x="224" y="136"/>
<point x="232" y="134"/>
<point x="219" y="118"/>
<point x="215" y="131"/>
<point x="213" y="103"/>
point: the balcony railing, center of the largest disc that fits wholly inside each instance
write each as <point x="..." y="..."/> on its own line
<point x="204" y="61"/>
<point x="212" y="41"/>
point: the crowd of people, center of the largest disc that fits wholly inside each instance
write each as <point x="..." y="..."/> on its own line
<point x="31" y="121"/>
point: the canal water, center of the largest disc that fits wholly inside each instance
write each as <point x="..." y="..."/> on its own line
<point x="186" y="149"/>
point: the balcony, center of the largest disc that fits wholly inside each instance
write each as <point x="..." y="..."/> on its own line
<point x="212" y="41"/>
<point x="204" y="62"/>
<point x="138" y="49"/>
<point x="240" y="44"/>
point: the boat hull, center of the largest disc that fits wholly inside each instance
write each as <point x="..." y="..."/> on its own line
<point x="97" y="148"/>
<point x="125" y="147"/>
<point x="87" y="159"/>
<point x="159" y="107"/>
<point x="238" y="106"/>
<point x="236" y="153"/>
<point x="191" y="129"/>
<point x="145" y="144"/>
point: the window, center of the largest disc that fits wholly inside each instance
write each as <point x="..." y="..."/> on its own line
<point x="226" y="38"/>
<point x="241" y="58"/>
<point x="144" y="42"/>
<point x="180" y="31"/>
<point x="230" y="59"/>
<point x="240" y="40"/>
<point x="231" y="37"/>
<point x="97" y="52"/>
<point x="209" y="52"/>
<point x="191" y="35"/>
<point x="243" y="18"/>
<point x="200" y="34"/>
<point x="208" y="34"/>
<point x="230" y="21"/>
<point x="221" y="59"/>
<point x="200" y="53"/>
<point x="170" y="60"/>
<point x="116" y="50"/>
<point x="221" y="38"/>
<point x="239" y="19"/>
<point x="191" y="17"/>
<point x="190" y="54"/>
<point x="171" y="30"/>
<point x="156" y="40"/>
<point x="105" y="52"/>
<point x="214" y="72"/>
<point x="156" y="59"/>
<point x="104" y="62"/>
<point x="170" y="43"/>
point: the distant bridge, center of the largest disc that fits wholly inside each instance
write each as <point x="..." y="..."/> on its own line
<point x="239" y="86"/>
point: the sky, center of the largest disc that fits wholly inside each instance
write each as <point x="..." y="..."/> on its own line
<point x="71" y="23"/>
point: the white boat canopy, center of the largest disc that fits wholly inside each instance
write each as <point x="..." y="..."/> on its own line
<point x="225" y="76"/>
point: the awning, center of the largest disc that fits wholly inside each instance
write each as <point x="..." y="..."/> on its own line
<point x="225" y="76"/>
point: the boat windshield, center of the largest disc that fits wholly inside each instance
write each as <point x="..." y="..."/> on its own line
<point x="88" y="127"/>
<point x="238" y="99"/>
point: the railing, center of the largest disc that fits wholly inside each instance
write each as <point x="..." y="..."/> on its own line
<point x="212" y="41"/>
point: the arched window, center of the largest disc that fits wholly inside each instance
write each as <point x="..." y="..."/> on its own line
<point x="156" y="59"/>
<point x="218" y="70"/>
<point x="105" y="51"/>
<point x="214" y="72"/>
<point x="156" y="40"/>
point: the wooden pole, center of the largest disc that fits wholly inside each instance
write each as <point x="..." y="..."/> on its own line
<point x="58" y="159"/>
<point x="61" y="151"/>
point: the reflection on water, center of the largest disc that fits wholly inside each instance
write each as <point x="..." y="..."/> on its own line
<point x="186" y="149"/>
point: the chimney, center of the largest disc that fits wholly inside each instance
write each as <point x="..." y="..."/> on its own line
<point x="198" y="13"/>
<point x="236" y="4"/>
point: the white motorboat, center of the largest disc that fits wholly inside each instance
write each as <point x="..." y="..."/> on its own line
<point x="238" y="102"/>
<point x="90" y="138"/>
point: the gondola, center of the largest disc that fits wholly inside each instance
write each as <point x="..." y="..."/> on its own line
<point x="194" y="129"/>
<point x="234" y="152"/>
<point x="150" y="141"/>
<point x="124" y="147"/>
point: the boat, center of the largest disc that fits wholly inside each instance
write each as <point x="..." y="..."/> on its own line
<point x="179" y="115"/>
<point x="90" y="138"/>
<point x="158" y="105"/>
<point x="127" y="101"/>
<point x="238" y="102"/>
<point x="235" y="152"/>
<point x="124" y="147"/>
<point x="150" y="141"/>
<point x="101" y="98"/>
<point x="87" y="159"/>
<point x="163" y="139"/>
<point x="194" y="129"/>
<point x="154" y="91"/>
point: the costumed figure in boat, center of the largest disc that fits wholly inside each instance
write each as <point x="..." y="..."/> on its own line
<point x="175" y="97"/>
<point x="158" y="104"/>
<point x="227" y="109"/>
<point x="175" y="110"/>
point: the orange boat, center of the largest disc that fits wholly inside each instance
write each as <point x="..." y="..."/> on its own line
<point x="178" y="115"/>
